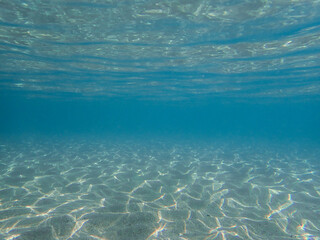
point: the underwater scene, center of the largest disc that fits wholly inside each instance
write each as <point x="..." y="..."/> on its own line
<point x="173" y="119"/>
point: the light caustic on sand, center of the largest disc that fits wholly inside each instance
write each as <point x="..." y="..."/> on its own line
<point x="133" y="191"/>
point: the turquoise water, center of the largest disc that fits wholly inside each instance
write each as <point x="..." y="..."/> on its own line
<point x="159" y="120"/>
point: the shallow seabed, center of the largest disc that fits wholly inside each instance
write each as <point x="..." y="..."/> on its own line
<point x="98" y="189"/>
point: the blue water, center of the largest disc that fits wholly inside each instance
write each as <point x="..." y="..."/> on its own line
<point x="159" y="120"/>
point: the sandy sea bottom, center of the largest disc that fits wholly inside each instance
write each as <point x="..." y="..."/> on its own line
<point x="127" y="190"/>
